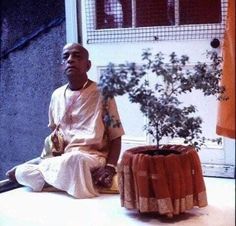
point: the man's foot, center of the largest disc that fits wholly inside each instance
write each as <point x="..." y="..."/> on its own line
<point x="11" y="174"/>
<point x="48" y="188"/>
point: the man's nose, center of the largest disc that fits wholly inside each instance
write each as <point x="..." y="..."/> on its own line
<point x="70" y="58"/>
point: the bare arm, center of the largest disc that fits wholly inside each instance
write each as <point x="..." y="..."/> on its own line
<point x="115" y="147"/>
<point x="103" y="176"/>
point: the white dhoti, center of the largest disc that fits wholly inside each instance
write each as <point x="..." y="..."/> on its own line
<point x="79" y="115"/>
<point x="70" y="172"/>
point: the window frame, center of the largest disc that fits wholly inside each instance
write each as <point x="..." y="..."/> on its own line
<point x="154" y="33"/>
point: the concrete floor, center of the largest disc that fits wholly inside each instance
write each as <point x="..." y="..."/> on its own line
<point x="21" y="207"/>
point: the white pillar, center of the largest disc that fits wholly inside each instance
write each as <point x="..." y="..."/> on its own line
<point x="71" y="7"/>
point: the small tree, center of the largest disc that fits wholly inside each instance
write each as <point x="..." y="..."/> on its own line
<point x="160" y="103"/>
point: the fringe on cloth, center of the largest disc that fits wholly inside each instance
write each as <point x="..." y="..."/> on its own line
<point x="168" y="184"/>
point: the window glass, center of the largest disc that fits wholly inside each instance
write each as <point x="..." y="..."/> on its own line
<point x="200" y="11"/>
<point x="113" y="14"/>
<point x="154" y="13"/>
<point x="119" y="13"/>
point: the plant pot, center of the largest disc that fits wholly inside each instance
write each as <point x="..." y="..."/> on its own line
<point x="167" y="181"/>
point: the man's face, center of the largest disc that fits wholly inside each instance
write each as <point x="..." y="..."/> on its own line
<point x="75" y="63"/>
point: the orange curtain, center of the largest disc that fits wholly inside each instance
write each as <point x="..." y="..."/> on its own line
<point x="226" y="109"/>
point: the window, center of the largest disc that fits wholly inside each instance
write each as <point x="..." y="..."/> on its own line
<point x="200" y="11"/>
<point x="113" y="14"/>
<point x="140" y="20"/>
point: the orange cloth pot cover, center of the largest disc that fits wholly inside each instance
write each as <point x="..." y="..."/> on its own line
<point x="167" y="184"/>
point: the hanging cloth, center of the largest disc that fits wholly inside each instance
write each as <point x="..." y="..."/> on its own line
<point x="226" y="109"/>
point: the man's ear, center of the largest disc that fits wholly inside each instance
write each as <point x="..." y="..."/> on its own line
<point x="89" y="65"/>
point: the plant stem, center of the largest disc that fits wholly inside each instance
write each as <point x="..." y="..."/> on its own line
<point x="157" y="137"/>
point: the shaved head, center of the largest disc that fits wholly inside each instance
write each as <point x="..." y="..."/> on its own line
<point x="77" y="46"/>
<point x="76" y="64"/>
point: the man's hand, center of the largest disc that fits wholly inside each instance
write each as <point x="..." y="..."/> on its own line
<point x="103" y="176"/>
<point x="57" y="138"/>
